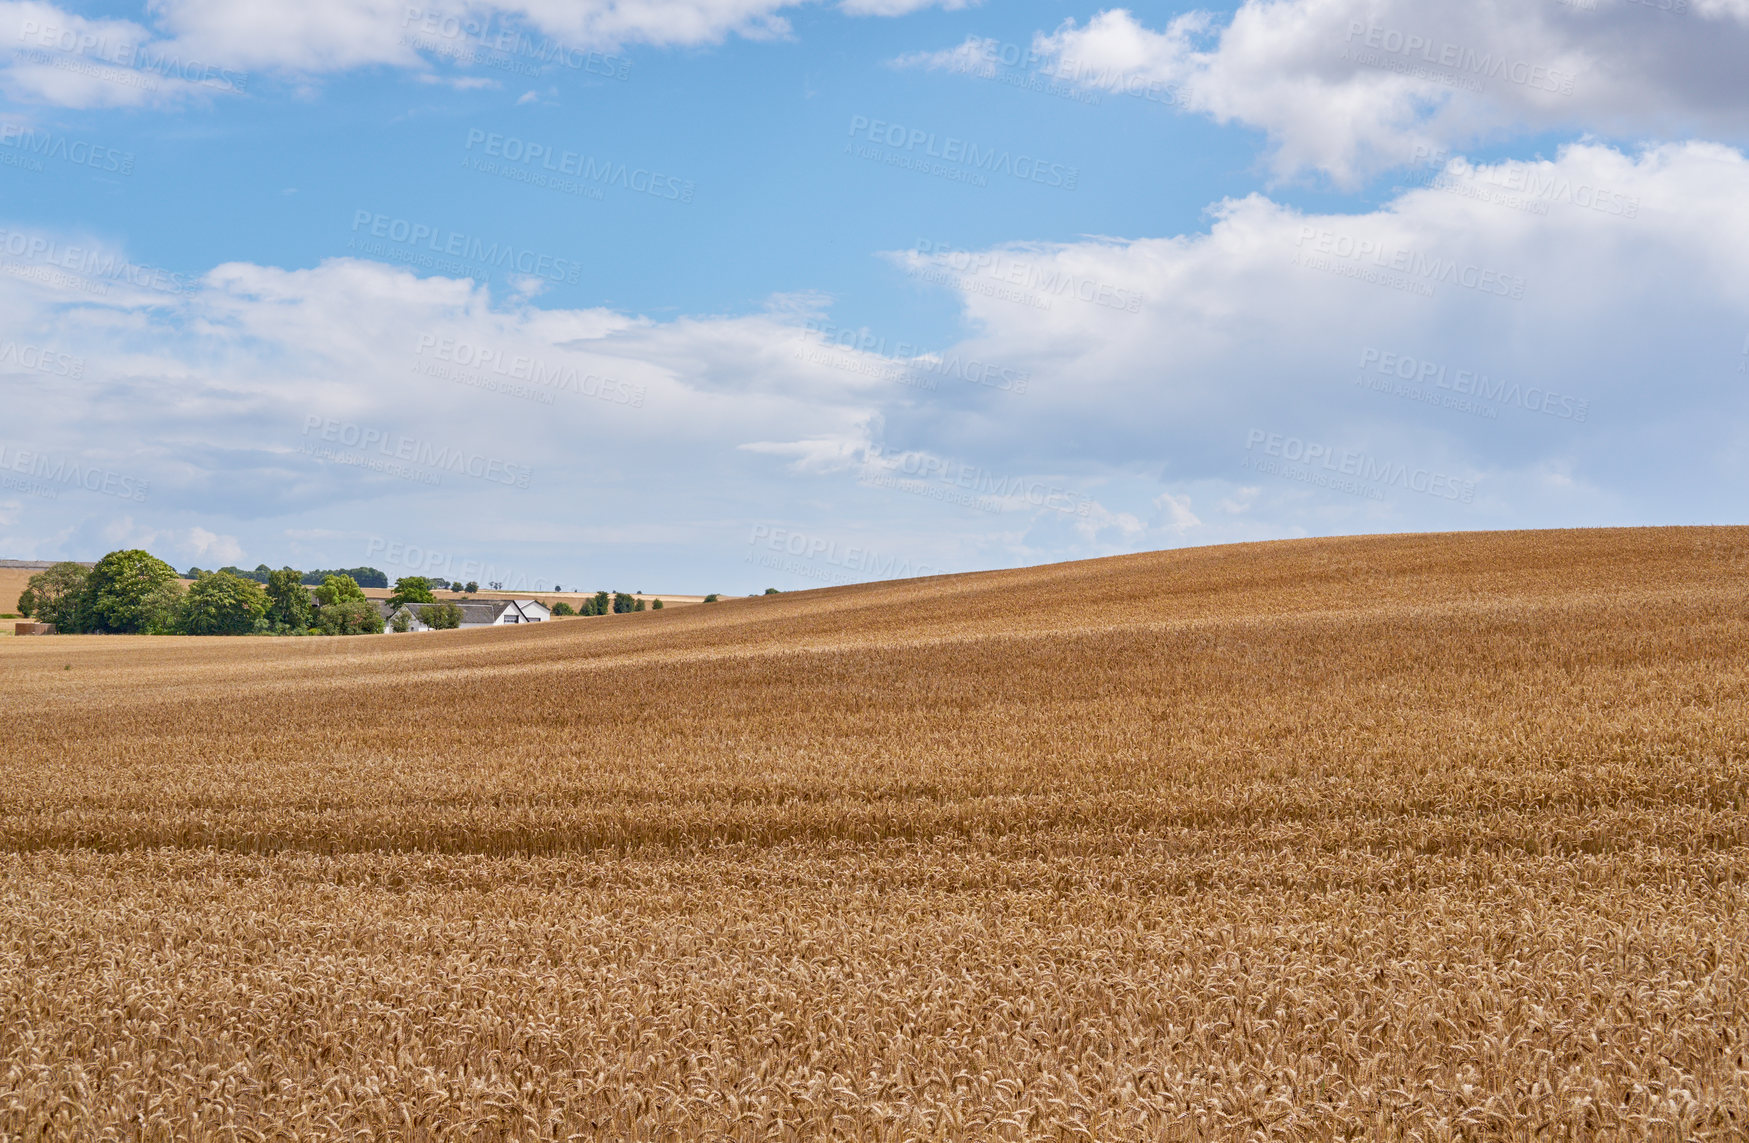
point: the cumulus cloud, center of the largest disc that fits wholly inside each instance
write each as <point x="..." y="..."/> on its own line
<point x="1348" y="87"/>
<point x="184" y="49"/>
<point x="1524" y="343"/>
<point x="1547" y="340"/>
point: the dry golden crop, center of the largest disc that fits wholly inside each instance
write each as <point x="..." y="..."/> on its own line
<point x="1418" y="837"/>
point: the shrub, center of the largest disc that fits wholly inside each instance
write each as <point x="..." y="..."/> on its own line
<point x="401" y="621"/>
<point x="441" y="616"/>
<point x="772" y="591"/>
<point x="350" y="617"/>
<point x="656" y="605"/>
<point x="563" y="608"/>
<point x="712" y="597"/>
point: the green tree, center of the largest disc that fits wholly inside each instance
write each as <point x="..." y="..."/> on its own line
<point x="288" y="601"/>
<point x="563" y="608"/>
<point x="401" y="621"/>
<point x="598" y="605"/>
<point x="131" y="592"/>
<point x="411" y="589"/>
<point x="441" y="616"/>
<point x="638" y="606"/>
<point x="56" y="595"/>
<point x="656" y="605"/>
<point x="712" y="597"/>
<point x="772" y="591"/>
<point x="350" y="616"/>
<point x="223" y="604"/>
<point x="473" y="586"/>
<point x="338" y="589"/>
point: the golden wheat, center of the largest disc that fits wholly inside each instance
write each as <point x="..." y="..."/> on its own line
<point x="1429" y="837"/>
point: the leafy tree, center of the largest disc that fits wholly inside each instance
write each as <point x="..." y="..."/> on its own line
<point x="288" y="603"/>
<point x="622" y="603"/>
<point x="131" y="592"/>
<point x="712" y="597"/>
<point x="656" y="605"/>
<point x="638" y="606"/>
<point x="350" y="616"/>
<point x="337" y="589"/>
<point x="772" y="591"/>
<point x="441" y="616"/>
<point x="473" y="586"/>
<point x="411" y="589"/>
<point x="401" y="621"/>
<point x="223" y="604"/>
<point x="56" y="595"/>
<point x="563" y="608"/>
<point x="598" y="604"/>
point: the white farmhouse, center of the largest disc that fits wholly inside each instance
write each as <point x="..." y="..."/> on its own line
<point x="478" y="612"/>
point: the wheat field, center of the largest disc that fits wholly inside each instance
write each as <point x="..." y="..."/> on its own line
<point x="1414" y="837"/>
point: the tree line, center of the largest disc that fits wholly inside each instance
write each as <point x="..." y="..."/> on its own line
<point x="134" y="593"/>
<point x="363" y="577"/>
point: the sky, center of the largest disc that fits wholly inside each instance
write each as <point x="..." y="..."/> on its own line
<point x="720" y="295"/>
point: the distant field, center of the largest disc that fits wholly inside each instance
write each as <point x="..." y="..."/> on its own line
<point x="1417" y="837"/>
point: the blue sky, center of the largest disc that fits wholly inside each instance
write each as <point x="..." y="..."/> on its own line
<point x="798" y="294"/>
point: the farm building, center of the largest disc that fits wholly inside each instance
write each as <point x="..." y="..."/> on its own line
<point x="480" y="612"/>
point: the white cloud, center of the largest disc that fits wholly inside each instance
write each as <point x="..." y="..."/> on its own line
<point x="55" y="57"/>
<point x="1348" y="87"/>
<point x="184" y="49"/>
<point x="1152" y="362"/>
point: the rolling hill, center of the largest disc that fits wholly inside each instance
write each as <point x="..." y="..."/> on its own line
<point x="1427" y="836"/>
